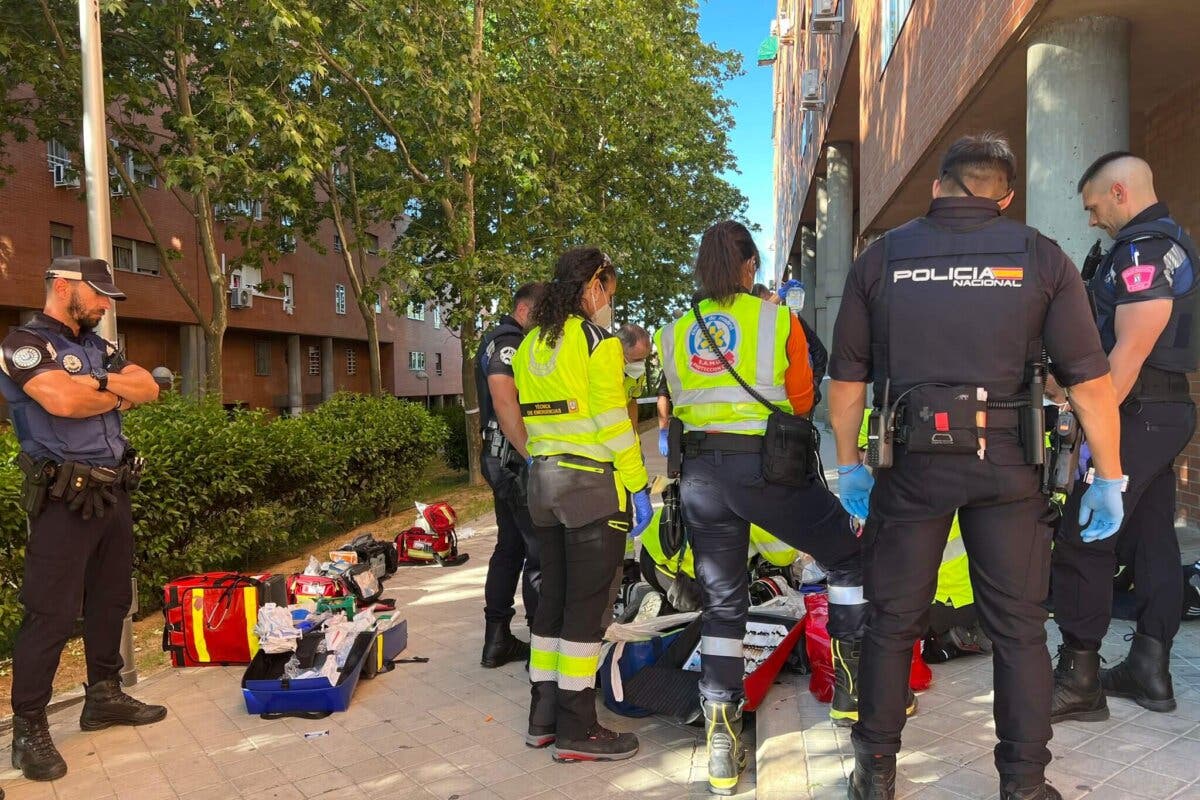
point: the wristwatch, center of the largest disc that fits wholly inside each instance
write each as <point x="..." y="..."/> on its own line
<point x="101" y="378"/>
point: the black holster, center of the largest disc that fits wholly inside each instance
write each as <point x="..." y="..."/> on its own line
<point x="39" y="475"/>
<point x="674" y="447"/>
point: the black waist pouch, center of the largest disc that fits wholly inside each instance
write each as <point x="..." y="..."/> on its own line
<point x="944" y="419"/>
<point x="789" y="450"/>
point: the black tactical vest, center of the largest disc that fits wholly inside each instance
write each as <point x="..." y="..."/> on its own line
<point x="1178" y="347"/>
<point x="487" y="412"/>
<point x="957" y="307"/>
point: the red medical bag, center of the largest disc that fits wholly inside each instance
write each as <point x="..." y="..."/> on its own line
<point x="438" y="545"/>
<point x="314" y="587"/>
<point x="210" y="618"/>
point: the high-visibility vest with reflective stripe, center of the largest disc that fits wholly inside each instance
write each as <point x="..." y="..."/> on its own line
<point x="572" y="399"/>
<point x="761" y="543"/>
<point x="753" y="334"/>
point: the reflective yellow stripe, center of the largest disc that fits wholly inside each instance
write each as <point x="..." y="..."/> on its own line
<point x="578" y="666"/>
<point x="198" y="642"/>
<point x="580" y="467"/>
<point x="250" y="604"/>
<point x="379" y="653"/>
<point x="543" y="660"/>
<point x="622" y="496"/>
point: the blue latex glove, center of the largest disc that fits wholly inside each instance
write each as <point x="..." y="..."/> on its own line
<point x="662" y="442"/>
<point x="786" y="287"/>
<point x="1085" y="456"/>
<point x="854" y="488"/>
<point x="1101" y="509"/>
<point x="642" y="512"/>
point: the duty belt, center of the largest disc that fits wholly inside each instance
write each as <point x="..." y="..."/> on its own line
<point x="1158" y="385"/>
<point x="703" y="442"/>
<point x="126" y="475"/>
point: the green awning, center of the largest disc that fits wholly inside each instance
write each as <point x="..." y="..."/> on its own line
<point x="767" y="51"/>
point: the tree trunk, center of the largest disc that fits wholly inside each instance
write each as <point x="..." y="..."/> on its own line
<point x="471" y="404"/>
<point x="368" y="315"/>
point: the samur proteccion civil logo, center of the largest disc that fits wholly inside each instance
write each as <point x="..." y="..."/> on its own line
<point x="724" y="332"/>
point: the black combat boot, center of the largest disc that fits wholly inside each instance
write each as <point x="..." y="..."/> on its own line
<point x="501" y="647"/>
<point x="1078" y="694"/>
<point x="33" y="751"/>
<point x="726" y="753"/>
<point x="1012" y="790"/>
<point x="600" y="744"/>
<point x="845" y="655"/>
<point x="874" y="778"/>
<point x="105" y="705"/>
<point x="1144" y="676"/>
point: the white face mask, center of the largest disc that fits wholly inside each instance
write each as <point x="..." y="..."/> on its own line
<point x="603" y="315"/>
<point x="636" y="370"/>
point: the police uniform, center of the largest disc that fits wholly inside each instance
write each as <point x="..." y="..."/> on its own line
<point x="586" y="462"/>
<point x="516" y="555"/>
<point x="971" y="298"/>
<point x="1152" y="258"/>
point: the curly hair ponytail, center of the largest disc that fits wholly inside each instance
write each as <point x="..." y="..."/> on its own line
<point x="564" y="294"/>
<point x="724" y="248"/>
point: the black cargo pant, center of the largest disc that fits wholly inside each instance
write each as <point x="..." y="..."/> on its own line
<point x="72" y="564"/>
<point x="515" y="557"/>
<point x="581" y="520"/>
<point x="1152" y="437"/>
<point x="1006" y="528"/>
<point x="722" y="493"/>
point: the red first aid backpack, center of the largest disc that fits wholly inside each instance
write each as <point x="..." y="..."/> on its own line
<point x="210" y="618"/>
<point x="314" y="587"/>
<point x="438" y="545"/>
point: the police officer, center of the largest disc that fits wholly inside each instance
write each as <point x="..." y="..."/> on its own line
<point x="1147" y="306"/>
<point x="949" y="315"/>
<point x="515" y="557"/>
<point x="586" y="462"/>
<point x="723" y="490"/>
<point x="66" y="388"/>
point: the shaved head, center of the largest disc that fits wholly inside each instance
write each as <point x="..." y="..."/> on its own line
<point x="1116" y="188"/>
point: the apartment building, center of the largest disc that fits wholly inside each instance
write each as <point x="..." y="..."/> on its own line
<point x="296" y="316"/>
<point x="869" y="93"/>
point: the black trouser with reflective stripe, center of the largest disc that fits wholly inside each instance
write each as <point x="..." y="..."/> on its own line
<point x="1006" y="528"/>
<point x="722" y="493"/>
<point x="1152" y="437"/>
<point x="72" y="564"/>
<point x="515" y="557"/>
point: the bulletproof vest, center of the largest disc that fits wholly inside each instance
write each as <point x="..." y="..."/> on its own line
<point x="487" y="412"/>
<point x="94" y="440"/>
<point x="1178" y="347"/>
<point x="954" y="307"/>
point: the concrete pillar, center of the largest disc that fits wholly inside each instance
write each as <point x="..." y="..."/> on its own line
<point x="295" y="391"/>
<point x="835" y="236"/>
<point x="327" y="387"/>
<point x="1077" y="108"/>
<point x="808" y="273"/>
<point x="193" y="361"/>
<point x="818" y="320"/>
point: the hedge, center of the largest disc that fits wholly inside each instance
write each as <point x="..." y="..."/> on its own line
<point x="228" y="489"/>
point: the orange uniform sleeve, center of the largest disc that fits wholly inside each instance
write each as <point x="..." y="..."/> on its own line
<point x="798" y="380"/>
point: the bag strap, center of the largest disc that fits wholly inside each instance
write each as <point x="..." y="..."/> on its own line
<point x="712" y="342"/>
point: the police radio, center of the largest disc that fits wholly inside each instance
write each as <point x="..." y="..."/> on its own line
<point x="880" y="439"/>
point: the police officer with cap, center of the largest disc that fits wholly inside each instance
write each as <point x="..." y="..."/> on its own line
<point x="1147" y="306"/>
<point x="515" y="557"/>
<point x="66" y="388"/>
<point x="949" y="315"/>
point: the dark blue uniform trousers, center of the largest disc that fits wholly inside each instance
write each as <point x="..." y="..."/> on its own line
<point x="722" y="493"/>
<point x="515" y="557"/>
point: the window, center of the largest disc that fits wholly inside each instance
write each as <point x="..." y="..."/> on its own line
<point x="131" y="255"/>
<point x="287" y="240"/>
<point x="339" y="299"/>
<point x="351" y="361"/>
<point x="59" y="161"/>
<point x="416" y="311"/>
<point x="894" y="13"/>
<point x="243" y="208"/>
<point x="337" y="243"/>
<point x="437" y="318"/>
<point x="379" y="301"/>
<point x="372" y="244"/>
<point x="416" y="361"/>
<point x="289" y="292"/>
<point x="437" y="363"/>
<point x="262" y="357"/>
<point x="61" y="237"/>
<point x="314" y="360"/>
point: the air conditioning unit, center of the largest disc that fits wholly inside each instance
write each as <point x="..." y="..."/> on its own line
<point x="827" y="17"/>
<point x="241" y="298"/>
<point x="812" y="89"/>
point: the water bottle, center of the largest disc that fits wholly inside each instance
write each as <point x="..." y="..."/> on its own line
<point x="795" y="299"/>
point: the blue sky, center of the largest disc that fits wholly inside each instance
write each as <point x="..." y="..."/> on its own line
<point x="741" y="25"/>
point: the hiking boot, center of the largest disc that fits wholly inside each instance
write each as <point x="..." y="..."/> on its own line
<point x="970" y="640"/>
<point x="726" y="753"/>
<point x="845" y="654"/>
<point x="649" y="608"/>
<point x="1144" y="676"/>
<point x="601" y="744"/>
<point x="33" y="751"/>
<point x="874" y="778"/>
<point x="1078" y="694"/>
<point x="105" y="705"/>
<point x="538" y="736"/>
<point x="500" y="646"/>
<point x="1010" y="791"/>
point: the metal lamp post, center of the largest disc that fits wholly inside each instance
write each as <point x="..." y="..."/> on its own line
<point x="422" y="375"/>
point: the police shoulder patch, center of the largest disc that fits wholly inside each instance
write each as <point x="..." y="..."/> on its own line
<point x="26" y="357"/>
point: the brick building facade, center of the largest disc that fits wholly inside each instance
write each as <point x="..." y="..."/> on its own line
<point x="868" y="94"/>
<point x="39" y="219"/>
